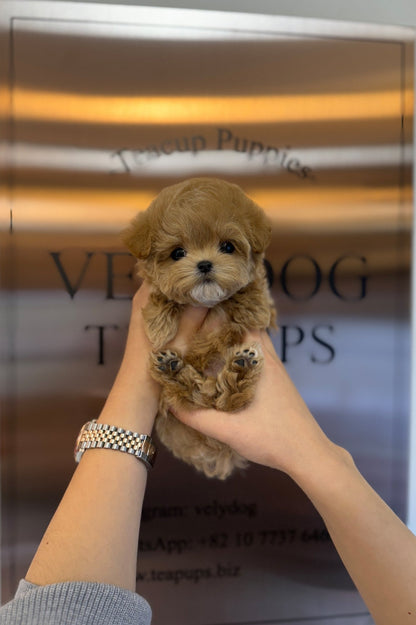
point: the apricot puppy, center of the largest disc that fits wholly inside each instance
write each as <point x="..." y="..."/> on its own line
<point x="201" y="242"/>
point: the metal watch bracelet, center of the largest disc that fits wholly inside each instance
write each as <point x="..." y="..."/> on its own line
<point x="95" y="435"/>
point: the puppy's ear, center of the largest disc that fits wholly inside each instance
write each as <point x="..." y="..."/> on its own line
<point x="259" y="230"/>
<point x="138" y="236"/>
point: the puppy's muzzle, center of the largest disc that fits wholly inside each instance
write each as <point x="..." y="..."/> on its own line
<point x="204" y="266"/>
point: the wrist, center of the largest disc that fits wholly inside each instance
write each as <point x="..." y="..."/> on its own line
<point x="132" y="402"/>
<point x="97" y="435"/>
<point x="329" y="467"/>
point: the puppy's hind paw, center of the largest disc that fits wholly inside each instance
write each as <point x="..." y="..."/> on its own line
<point x="166" y="362"/>
<point x="245" y="359"/>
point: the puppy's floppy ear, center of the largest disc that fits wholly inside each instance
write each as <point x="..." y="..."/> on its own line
<point x="138" y="236"/>
<point x="258" y="228"/>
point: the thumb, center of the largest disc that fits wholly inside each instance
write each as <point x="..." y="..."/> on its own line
<point x="190" y="322"/>
<point x="209" y="421"/>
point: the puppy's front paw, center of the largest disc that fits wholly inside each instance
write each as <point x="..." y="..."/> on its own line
<point x="237" y="381"/>
<point x="166" y="362"/>
<point x="245" y="359"/>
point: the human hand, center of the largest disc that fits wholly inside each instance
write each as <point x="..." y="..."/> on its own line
<point x="134" y="388"/>
<point x="276" y="429"/>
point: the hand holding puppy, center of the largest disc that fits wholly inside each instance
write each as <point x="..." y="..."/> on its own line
<point x="276" y="429"/>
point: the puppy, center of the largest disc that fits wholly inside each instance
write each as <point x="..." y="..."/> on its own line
<point x="201" y="243"/>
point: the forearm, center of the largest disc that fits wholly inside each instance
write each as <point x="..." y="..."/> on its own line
<point x="93" y="535"/>
<point x="278" y="430"/>
<point x="377" y="549"/>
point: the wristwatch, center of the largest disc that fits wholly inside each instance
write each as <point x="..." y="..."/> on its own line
<point x="95" y="435"/>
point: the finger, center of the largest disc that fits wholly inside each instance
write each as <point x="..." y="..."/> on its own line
<point x="263" y="338"/>
<point x="208" y="421"/>
<point x="191" y="321"/>
<point x="137" y="339"/>
<point x="141" y="297"/>
<point x="213" y="322"/>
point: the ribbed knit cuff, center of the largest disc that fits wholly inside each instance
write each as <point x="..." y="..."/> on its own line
<point x="80" y="603"/>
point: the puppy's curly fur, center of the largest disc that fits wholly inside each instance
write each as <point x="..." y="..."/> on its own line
<point x="201" y="242"/>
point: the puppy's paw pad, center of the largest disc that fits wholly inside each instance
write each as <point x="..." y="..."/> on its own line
<point x="246" y="358"/>
<point x="167" y="361"/>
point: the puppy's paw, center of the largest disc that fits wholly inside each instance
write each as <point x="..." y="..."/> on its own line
<point x="245" y="359"/>
<point x="237" y="381"/>
<point x="166" y="362"/>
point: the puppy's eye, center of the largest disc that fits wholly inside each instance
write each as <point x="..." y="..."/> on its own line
<point x="178" y="253"/>
<point x="226" y="247"/>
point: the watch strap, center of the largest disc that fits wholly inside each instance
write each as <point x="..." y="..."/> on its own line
<point x="95" y="435"/>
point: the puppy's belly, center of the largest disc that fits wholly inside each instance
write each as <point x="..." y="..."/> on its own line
<point x="214" y="366"/>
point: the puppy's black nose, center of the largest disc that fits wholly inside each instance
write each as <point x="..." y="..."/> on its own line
<point x="204" y="266"/>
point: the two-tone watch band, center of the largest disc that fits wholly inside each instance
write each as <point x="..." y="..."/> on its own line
<point x="95" y="435"/>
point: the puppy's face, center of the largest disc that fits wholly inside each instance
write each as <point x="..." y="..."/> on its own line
<point x="199" y="242"/>
<point x="203" y="269"/>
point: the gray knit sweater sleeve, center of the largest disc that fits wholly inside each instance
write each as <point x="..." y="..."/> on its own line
<point x="75" y="603"/>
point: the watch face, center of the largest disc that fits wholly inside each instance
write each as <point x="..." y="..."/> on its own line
<point x="77" y="451"/>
